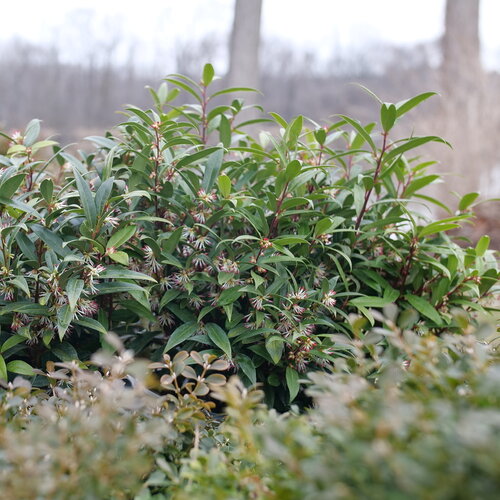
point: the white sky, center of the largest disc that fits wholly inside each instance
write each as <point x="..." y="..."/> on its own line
<point x="319" y="25"/>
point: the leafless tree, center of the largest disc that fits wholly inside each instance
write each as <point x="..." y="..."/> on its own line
<point x="244" y="68"/>
<point x="463" y="87"/>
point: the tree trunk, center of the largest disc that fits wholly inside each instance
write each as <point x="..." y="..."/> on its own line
<point x="463" y="85"/>
<point x="244" y="49"/>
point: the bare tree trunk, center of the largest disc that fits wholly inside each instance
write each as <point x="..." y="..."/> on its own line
<point x="244" y="48"/>
<point x="463" y="85"/>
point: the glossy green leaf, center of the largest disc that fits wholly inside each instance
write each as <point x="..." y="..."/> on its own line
<point x="90" y="323"/>
<point x="275" y="347"/>
<point x="219" y="337"/>
<point x="208" y="74"/>
<point x="424" y="308"/>
<point x="360" y="130"/>
<point x="120" y="257"/>
<point x="212" y="169"/>
<point x="32" y="132"/>
<point x="64" y="317"/>
<point x="9" y="187"/>
<point x="20" y="367"/>
<point x="121" y="236"/>
<point x="74" y="289"/>
<point x="405" y="106"/>
<point x="47" y="189"/>
<point x="388" y="115"/>
<point x="112" y="272"/>
<point x="86" y="198"/>
<point x="292" y="170"/>
<point x="3" y="369"/>
<point x="482" y="245"/>
<point x="292" y="382"/>
<point x="247" y="366"/>
<point x="224" y="183"/>
<point x="181" y="334"/>
<point x="467" y="200"/>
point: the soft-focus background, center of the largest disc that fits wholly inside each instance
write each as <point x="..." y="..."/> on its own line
<point x="74" y="64"/>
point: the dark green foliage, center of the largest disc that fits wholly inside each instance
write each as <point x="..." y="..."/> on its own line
<point x="180" y="231"/>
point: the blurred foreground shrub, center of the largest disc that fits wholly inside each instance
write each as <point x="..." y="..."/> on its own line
<point x="427" y="426"/>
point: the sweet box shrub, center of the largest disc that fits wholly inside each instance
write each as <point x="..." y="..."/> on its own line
<point x="181" y="231"/>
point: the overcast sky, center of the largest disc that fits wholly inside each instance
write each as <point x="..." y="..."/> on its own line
<point x="317" y="25"/>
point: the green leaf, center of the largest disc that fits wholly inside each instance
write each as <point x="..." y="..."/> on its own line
<point x="388" y="115"/>
<point x="86" y="198"/>
<point x="323" y="226"/>
<point x="482" y="245"/>
<point x="232" y="90"/>
<point x="419" y="183"/>
<point x="219" y="337"/>
<point x="32" y="132"/>
<point x="410" y="144"/>
<point x="360" y="130"/>
<point x="279" y="119"/>
<point x="92" y="324"/>
<point x="3" y="369"/>
<point x="275" y="346"/>
<point x="121" y="236"/>
<point x="19" y="205"/>
<point x="103" y="193"/>
<point x="293" y="131"/>
<point x="181" y="334"/>
<point x="405" y="106"/>
<point x="171" y="243"/>
<point x="188" y="159"/>
<point x="119" y="273"/>
<point x="186" y="87"/>
<point x="292" y="170"/>
<point x="212" y="169"/>
<point x="25" y="307"/>
<point x="289" y="240"/>
<point x="467" y="200"/>
<point x="21" y="283"/>
<point x="101" y="142"/>
<point x="224" y="183"/>
<point x="225" y="131"/>
<point x="292" y="382"/>
<point x="424" y="308"/>
<point x="247" y="366"/>
<point x="42" y="144"/>
<point x="65" y="352"/>
<point x="320" y="136"/>
<point x="11" y="342"/>
<point x="51" y="239"/>
<point x="64" y="317"/>
<point x="117" y="287"/>
<point x="20" y="367"/>
<point x="74" y="289"/>
<point x="11" y="185"/>
<point x="437" y="227"/>
<point x="208" y="74"/>
<point x="120" y="257"/>
<point x="47" y="190"/>
<point x="370" y="301"/>
<point x="229" y="295"/>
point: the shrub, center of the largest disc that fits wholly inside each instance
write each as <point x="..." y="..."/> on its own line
<point x="181" y="231"/>
<point x="93" y="437"/>
<point x="427" y="429"/>
<point x="418" y="418"/>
